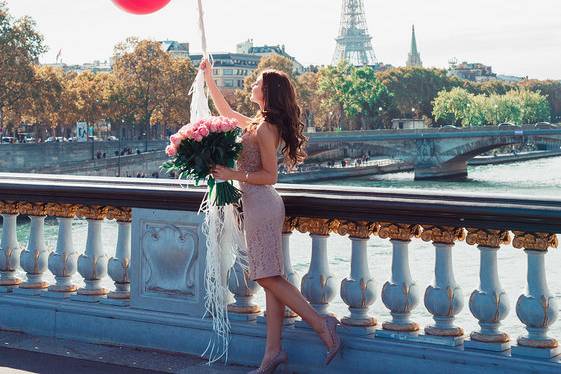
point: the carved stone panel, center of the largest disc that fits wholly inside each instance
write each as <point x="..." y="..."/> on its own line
<point x="167" y="261"/>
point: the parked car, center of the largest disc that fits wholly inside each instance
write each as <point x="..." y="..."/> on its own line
<point x="29" y="139"/>
<point x="8" y="140"/>
<point x="544" y="125"/>
<point x="112" y="138"/>
<point x="95" y="138"/>
<point x="507" y="126"/>
<point x="57" y="139"/>
<point x="450" y="127"/>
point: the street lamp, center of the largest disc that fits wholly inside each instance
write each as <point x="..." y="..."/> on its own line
<point x="413" y="112"/>
<point x="119" y="150"/>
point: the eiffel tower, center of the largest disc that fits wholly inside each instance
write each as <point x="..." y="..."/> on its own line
<point x="354" y="43"/>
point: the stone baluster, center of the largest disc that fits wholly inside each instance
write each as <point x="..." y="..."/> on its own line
<point x="92" y="264"/>
<point x="400" y="294"/>
<point x="444" y="298"/>
<point x="289" y="273"/>
<point x="358" y="290"/>
<point x="537" y="308"/>
<point x="118" y="266"/>
<point x="34" y="259"/>
<point x="318" y="286"/>
<point x="489" y="303"/>
<point x="63" y="262"/>
<point x="243" y="308"/>
<point x="9" y="247"/>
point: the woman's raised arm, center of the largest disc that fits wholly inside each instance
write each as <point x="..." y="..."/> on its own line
<point x="220" y="102"/>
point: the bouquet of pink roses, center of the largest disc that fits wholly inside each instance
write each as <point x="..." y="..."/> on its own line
<point x="198" y="146"/>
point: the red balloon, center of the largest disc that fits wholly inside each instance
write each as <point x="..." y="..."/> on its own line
<point x="141" y="6"/>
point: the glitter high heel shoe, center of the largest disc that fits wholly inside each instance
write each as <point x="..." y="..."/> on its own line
<point x="331" y="326"/>
<point x="271" y="366"/>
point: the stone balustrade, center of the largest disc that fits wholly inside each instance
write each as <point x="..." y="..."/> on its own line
<point x="158" y="267"/>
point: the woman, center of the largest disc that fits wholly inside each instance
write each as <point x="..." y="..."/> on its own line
<point x="277" y="123"/>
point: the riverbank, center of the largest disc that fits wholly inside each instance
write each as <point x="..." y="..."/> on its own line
<point x="391" y="166"/>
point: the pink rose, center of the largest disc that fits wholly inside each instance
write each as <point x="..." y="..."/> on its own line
<point x="231" y="124"/>
<point x="203" y="131"/>
<point x="197" y="137"/>
<point x="189" y="133"/>
<point x="171" y="151"/>
<point x="175" y="139"/>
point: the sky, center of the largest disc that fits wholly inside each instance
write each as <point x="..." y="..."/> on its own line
<point x="515" y="37"/>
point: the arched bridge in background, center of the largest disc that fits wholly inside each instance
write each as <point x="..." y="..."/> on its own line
<point x="435" y="152"/>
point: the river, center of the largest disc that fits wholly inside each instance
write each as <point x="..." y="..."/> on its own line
<point x="535" y="178"/>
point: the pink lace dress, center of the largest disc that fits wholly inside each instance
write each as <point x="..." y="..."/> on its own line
<point x="263" y="212"/>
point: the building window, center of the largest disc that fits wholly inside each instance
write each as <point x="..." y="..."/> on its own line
<point x="228" y="72"/>
<point x="228" y="83"/>
<point x="216" y="71"/>
<point x="240" y="83"/>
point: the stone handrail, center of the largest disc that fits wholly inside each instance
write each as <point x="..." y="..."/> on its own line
<point x="159" y="261"/>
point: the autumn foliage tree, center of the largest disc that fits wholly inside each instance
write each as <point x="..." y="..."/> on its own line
<point x="20" y="47"/>
<point x="150" y="85"/>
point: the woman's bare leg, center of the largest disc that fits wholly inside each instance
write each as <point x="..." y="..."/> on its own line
<point x="289" y="295"/>
<point x="275" y="318"/>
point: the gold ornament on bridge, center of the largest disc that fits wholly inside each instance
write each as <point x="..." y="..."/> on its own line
<point x="487" y="237"/>
<point x="33" y="209"/>
<point x="316" y="226"/>
<point x="357" y="229"/>
<point x="9" y="207"/>
<point x="399" y="231"/>
<point x="442" y="234"/>
<point x="537" y="241"/>
<point x="119" y="214"/>
<point x="62" y="210"/>
<point x="94" y="212"/>
<point x="289" y="225"/>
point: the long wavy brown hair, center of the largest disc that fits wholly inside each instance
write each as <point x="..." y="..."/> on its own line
<point x="282" y="110"/>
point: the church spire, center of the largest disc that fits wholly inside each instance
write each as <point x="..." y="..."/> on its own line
<point x="414" y="58"/>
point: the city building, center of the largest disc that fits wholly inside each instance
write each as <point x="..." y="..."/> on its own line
<point x="230" y="69"/>
<point x="176" y="49"/>
<point x="414" y="58"/>
<point x="247" y="47"/>
<point x="474" y="71"/>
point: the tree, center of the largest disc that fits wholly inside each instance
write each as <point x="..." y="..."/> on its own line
<point x="20" y="47"/>
<point x="140" y="72"/>
<point x="307" y="84"/>
<point x="534" y="107"/>
<point x="490" y="87"/>
<point x="451" y="107"/>
<point x="355" y="94"/>
<point x="48" y="103"/>
<point x="517" y="106"/>
<point x="176" y="101"/>
<point x="551" y="89"/>
<point x="416" y="88"/>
